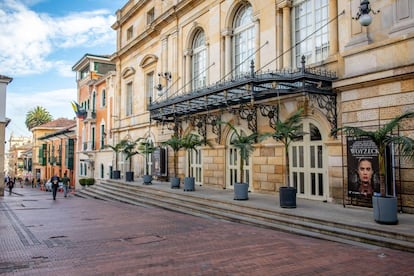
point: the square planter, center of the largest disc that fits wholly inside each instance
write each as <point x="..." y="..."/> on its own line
<point x="147" y="179"/>
<point x="241" y="191"/>
<point x="287" y="197"/>
<point x="129" y="176"/>
<point x="385" y="209"/>
<point x="189" y="184"/>
<point x="116" y="174"/>
<point x="175" y="182"/>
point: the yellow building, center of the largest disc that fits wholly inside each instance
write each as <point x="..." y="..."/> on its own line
<point x="50" y="142"/>
<point x="17" y="166"/>
<point x="183" y="66"/>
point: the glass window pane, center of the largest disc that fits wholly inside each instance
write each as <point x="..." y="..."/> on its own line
<point x="320" y="160"/>
<point x="320" y="182"/>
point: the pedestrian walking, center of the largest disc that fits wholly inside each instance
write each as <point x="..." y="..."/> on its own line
<point x="65" y="182"/>
<point x="55" y="185"/>
<point x="10" y="184"/>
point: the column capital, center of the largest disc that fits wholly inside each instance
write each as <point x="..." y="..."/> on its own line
<point x="226" y="32"/>
<point x="284" y="4"/>
<point x="188" y="52"/>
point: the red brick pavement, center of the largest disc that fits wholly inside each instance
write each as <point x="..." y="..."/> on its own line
<point x="75" y="236"/>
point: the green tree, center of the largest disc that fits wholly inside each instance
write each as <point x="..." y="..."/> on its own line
<point x="382" y="137"/>
<point x="176" y="144"/>
<point x="37" y="116"/>
<point x="146" y="148"/>
<point x="129" y="148"/>
<point x="190" y="142"/>
<point x="287" y="131"/>
<point x="244" y="144"/>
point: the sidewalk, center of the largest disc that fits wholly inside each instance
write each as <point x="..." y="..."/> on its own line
<point x="78" y="236"/>
<point x="351" y="215"/>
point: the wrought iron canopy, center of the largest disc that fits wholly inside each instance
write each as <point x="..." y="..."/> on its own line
<point x="247" y="88"/>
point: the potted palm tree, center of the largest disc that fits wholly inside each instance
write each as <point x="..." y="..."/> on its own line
<point x="116" y="174"/>
<point x="244" y="144"/>
<point x="385" y="207"/>
<point x="146" y="148"/>
<point x="130" y="150"/>
<point x="286" y="132"/>
<point x="190" y="142"/>
<point x="175" y="143"/>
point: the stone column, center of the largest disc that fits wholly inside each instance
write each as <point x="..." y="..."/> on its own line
<point x="333" y="27"/>
<point x="257" y="42"/>
<point x="227" y="51"/>
<point x="188" y="75"/>
<point x="287" y="37"/>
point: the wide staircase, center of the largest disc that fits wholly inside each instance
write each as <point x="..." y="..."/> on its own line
<point x="203" y="205"/>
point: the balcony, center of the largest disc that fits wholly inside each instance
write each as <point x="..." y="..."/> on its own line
<point x="245" y="95"/>
<point x="88" y="146"/>
<point x="90" y="116"/>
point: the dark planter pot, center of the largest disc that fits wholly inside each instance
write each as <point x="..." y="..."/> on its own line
<point x="287" y="197"/>
<point x="116" y="174"/>
<point x="147" y="179"/>
<point x="241" y="191"/>
<point x="189" y="184"/>
<point x="129" y="176"/>
<point x="175" y="182"/>
<point x="385" y="209"/>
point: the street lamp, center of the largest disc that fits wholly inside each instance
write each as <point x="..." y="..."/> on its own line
<point x="363" y="14"/>
<point x="159" y="87"/>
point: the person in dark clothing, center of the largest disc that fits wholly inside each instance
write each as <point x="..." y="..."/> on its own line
<point x="10" y="184"/>
<point x="55" y="185"/>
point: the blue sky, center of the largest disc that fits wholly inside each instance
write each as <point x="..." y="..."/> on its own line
<point x="40" y="41"/>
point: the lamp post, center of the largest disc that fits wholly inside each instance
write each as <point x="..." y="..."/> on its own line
<point x="363" y="14"/>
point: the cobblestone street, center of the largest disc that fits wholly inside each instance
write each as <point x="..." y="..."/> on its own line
<point x="76" y="236"/>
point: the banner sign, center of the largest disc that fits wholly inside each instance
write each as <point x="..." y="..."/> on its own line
<point x="363" y="167"/>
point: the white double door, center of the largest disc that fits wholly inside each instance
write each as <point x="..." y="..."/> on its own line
<point x="308" y="169"/>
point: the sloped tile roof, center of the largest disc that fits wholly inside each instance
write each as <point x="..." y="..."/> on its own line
<point x="58" y="123"/>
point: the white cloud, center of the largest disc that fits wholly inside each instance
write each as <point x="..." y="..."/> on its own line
<point x="57" y="102"/>
<point x="28" y="39"/>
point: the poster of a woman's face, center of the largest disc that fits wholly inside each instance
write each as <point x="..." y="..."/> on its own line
<point x="362" y="167"/>
<point x="365" y="177"/>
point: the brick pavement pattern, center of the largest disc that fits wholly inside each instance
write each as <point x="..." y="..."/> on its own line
<point x="77" y="236"/>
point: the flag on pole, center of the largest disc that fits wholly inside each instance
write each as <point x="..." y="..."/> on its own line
<point x="79" y="111"/>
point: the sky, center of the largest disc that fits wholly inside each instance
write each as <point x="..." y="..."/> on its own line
<point x="40" y="41"/>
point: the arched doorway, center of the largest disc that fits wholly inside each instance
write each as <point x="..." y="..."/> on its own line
<point x="308" y="171"/>
<point x="233" y="172"/>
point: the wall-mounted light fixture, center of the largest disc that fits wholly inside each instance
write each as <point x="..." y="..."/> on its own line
<point x="363" y="14"/>
<point x="167" y="77"/>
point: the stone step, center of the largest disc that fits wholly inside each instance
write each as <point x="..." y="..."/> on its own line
<point x="199" y="205"/>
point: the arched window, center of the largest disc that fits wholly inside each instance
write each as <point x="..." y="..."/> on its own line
<point x="198" y="72"/>
<point x="103" y="98"/>
<point x="311" y="33"/>
<point x="102" y="171"/>
<point x="243" y="40"/>
<point x="94" y="101"/>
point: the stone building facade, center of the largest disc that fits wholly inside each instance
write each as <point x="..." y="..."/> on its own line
<point x="95" y="85"/>
<point x="183" y="66"/>
<point x="4" y="82"/>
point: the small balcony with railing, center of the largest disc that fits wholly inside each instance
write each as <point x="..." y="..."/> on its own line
<point x="90" y="116"/>
<point x="88" y="146"/>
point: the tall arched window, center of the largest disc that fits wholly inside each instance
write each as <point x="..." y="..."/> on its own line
<point x="244" y="40"/>
<point x="198" y="72"/>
